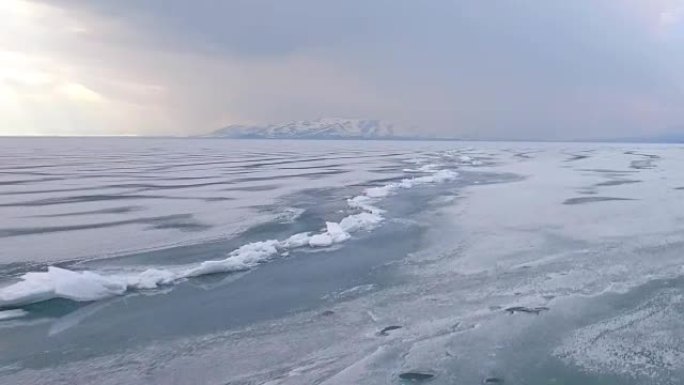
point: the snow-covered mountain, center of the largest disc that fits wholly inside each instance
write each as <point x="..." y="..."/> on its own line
<point x="326" y="128"/>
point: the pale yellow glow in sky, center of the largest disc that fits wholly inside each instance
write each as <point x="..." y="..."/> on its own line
<point x="43" y="89"/>
<point x="37" y="92"/>
<point x="66" y="72"/>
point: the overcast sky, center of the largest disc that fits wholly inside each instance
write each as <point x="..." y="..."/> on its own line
<point x="523" y="69"/>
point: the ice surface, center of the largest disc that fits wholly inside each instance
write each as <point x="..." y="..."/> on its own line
<point x="81" y="197"/>
<point x="647" y="341"/>
<point x="607" y="274"/>
<point x="90" y="286"/>
<point x="290" y="214"/>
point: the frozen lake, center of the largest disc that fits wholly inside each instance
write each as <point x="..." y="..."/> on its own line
<point x="177" y="261"/>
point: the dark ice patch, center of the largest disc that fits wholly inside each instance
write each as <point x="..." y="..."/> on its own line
<point x="415" y="377"/>
<point x="266" y="187"/>
<point x="587" y="191"/>
<point x="153" y="186"/>
<point x="576" y="157"/>
<point x="184" y="222"/>
<point x="214" y="199"/>
<point x="582" y="200"/>
<point x="642" y="164"/>
<point x="101" y="198"/>
<point x="617" y="182"/>
<point x="524" y="155"/>
<point x="650" y="156"/>
<point x="309" y="175"/>
<point x="28" y="181"/>
<point x="384" y="331"/>
<point x="608" y="171"/>
<point x="527" y="310"/>
<point x="113" y="210"/>
<point x="312" y="167"/>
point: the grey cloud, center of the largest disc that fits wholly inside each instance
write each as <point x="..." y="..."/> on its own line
<point x="513" y="69"/>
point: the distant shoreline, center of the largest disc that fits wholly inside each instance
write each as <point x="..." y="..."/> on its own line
<point x="393" y="139"/>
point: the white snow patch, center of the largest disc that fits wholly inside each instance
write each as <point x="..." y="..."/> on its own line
<point x="295" y="241"/>
<point x="379" y="192"/>
<point x="151" y="279"/>
<point x="365" y="203"/>
<point x="321" y="240"/>
<point x="60" y="283"/>
<point x="11" y="314"/>
<point x="383" y="191"/>
<point x="333" y="234"/>
<point x="360" y="221"/>
<point x="244" y="258"/>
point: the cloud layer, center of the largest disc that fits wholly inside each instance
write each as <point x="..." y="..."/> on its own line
<point x="511" y="69"/>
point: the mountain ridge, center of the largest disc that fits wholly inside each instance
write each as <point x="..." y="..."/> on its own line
<point x="324" y="128"/>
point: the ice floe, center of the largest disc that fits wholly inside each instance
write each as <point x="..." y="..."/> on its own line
<point x="60" y="283"/>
